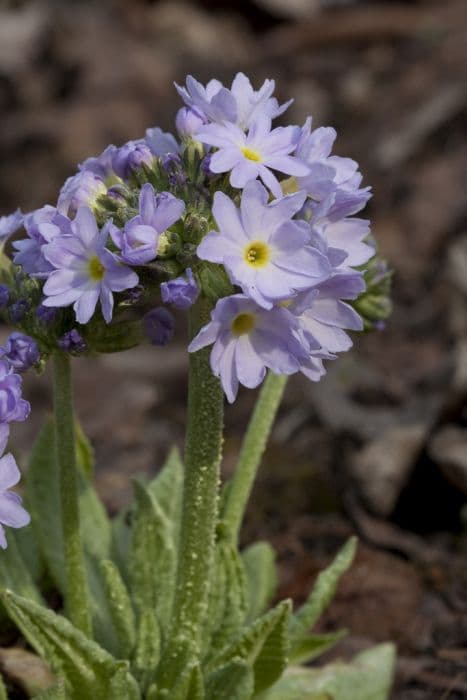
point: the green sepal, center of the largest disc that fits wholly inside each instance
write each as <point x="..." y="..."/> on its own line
<point x="310" y="647"/>
<point x="264" y="645"/>
<point x="213" y="281"/>
<point x="321" y="595"/>
<point x="151" y="557"/>
<point x="87" y="669"/>
<point x="234" y="681"/>
<point x="367" y="677"/>
<point x="115" y="337"/>
<point x="260" y="566"/>
<point x="120" y="608"/>
<point x="147" y="650"/>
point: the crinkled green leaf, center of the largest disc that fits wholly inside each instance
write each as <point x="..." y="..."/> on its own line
<point x="84" y="451"/>
<point x="120" y="608"/>
<point x="264" y="645"/>
<point x="308" y="648"/>
<point x="227" y="606"/>
<point x="147" y="649"/>
<point x="234" y="681"/>
<point x="322" y="593"/>
<point x="95" y="524"/>
<point x="189" y="685"/>
<point x="87" y="669"/>
<point x="196" y="687"/>
<point x="167" y="488"/>
<point x="102" y="623"/>
<point x="3" y="693"/>
<point x="260" y="566"/>
<point x="368" y="677"/>
<point x="151" y="557"/>
<point x="56" y="692"/>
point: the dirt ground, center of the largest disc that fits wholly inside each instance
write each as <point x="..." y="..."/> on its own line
<point x="379" y="447"/>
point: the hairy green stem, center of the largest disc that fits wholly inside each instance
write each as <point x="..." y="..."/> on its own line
<point x="76" y="594"/>
<point x="254" y="444"/>
<point x="201" y="488"/>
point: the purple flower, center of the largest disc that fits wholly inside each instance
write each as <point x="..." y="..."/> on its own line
<point x="240" y="105"/>
<point x="21" y="351"/>
<point x="41" y="226"/>
<point x="139" y="239"/>
<point x="248" y="340"/>
<point x="323" y="315"/>
<point x="18" y="310"/>
<point x="158" y="326"/>
<point x="82" y="189"/>
<point x="255" y="154"/>
<point x="188" y="121"/>
<point x="12" y="406"/>
<point x="100" y="165"/>
<point x="12" y="513"/>
<point x="10" y="224"/>
<point x="264" y="251"/>
<point x="327" y="173"/>
<point x="85" y="271"/>
<point x="72" y="341"/>
<point x="161" y="142"/>
<point x="181" y="292"/>
<point x="130" y="157"/>
<point x="4" y="295"/>
<point x="45" y="314"/>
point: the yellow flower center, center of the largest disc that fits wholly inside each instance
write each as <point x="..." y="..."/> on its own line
<point x="95" y="268"/>
<point x="257" y="254"/>
<point x="251" y="154"/>
<point x="243" y="323"/>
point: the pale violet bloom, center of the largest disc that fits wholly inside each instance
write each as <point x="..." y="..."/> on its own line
<point x="181" y="292"/>
<point x="139" y="239"/>
<point x="188" y="121"/>
<point x="264" y="251"/>
<point x="255" y="154"/>
<point x="241" y="104"/>
<point x="327" y="173"/>
<point x="161" y="142"/>
<point x="42" y="226"/>
<point x="82" y="189"/>
<point x="12" y="513"/>
<point x="325" y="317"/>
<point x="21" y="351"/>
<point x="13" y="408"/>
<point x="85" y="271"/>
<point x="130" y="157"/>
<point x="248" y="340"/>
<point x="10" y="224"/>
<point x="100" y="165"/>
<point x="158" y="326"/>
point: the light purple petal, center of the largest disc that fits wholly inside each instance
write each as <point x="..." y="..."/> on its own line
<point x="86" y="305"/>
<point x="12" y="512"/>
<point x="9" y="472"/>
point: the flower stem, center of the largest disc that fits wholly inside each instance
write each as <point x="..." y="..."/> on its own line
<point x="76" y="598"/>
<point x="201" y="487"/>
<point x="254" y="444"/>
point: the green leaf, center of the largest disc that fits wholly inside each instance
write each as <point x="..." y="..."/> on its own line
<point x="260" y="566"/>
<point x="3" y="693"/>
<point x="87" y="669"/>
<point x="147" y="649"/>
<point x="322" y="593"/>
<point x="84" y="452"/>
<point x="234" y="681"/>
<point x="120" y="608"/>
<point x="264" y="646"/>
<point x="368" y="677"/>
<point x="227" y="605"/>
<point x="123" y="686"/>
<point x="56" y="692"/>
<point x="310" y="647"/>
<point x="13" y="572"/>
<point x="43" y="500"/>
<point x="167" y="488"/>
<point x="190" y="685"/>
<point x="151" y="557"/>
<point x="196" y="687"/>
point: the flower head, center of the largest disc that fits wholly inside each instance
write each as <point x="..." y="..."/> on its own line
<point x="265" y="251"/>
<point x="188" y="121"/>
<point x="255" y="154"/>
<point x="139" y="239"/>
<point x="21" y="351"/>
<point x="181" y="292"/>
<point x="100" y="165"/>
<point x="12" y="513"/>
<point x="161" y="142"/>
<point x="248" y="340"/>
<point x="72" y="341"/>
<point x="158" y="326"/>
<point x="130" y="157"/>
<point x="10" y="224"/>
<point x="82" y="189"/>
<point x="41" y="226"/>
<point x="12" y="406"/>
<point x="85" y="271"/>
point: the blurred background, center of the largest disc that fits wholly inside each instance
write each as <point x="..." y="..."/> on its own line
<point x="379" y="447"/>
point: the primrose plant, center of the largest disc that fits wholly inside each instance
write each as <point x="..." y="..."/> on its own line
<point x="251" y="230"/>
